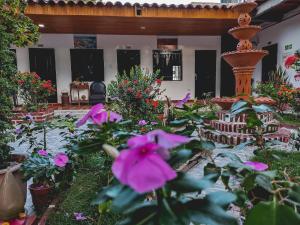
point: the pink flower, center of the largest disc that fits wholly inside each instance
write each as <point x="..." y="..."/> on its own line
<point x="184" y="100"/>
<point x="61" y="160"/>
<point x="42" y="152"/>
<point x="154" y="123"/>
<point x="93" y="111"/>
<point x="142" y="168"/>
<point x="105" y="116"/>
<point x="159" y="137"/>
<point x="79" y="216"/>
<point x="142" y="123"/>
<point x="258" y="166"/>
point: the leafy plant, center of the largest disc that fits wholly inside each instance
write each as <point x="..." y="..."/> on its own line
<point x="136" y="94"/>
<point x="33" y="90"/>
<point x="15" y="29"/>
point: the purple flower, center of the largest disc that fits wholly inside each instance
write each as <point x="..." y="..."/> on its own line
<point x="258" y="166"/>
<point x="29" y="117"/>
<point x="160" y="137"/>
<point x="42" y="152"/>
<point x="93" y="111"/>
<point x="18" y="130"/>
<point x="142" y="123"/>
<point x="105" y="116"/>
<point x="184" y="100"/>
<point x="79" y="216"/>
<point x="61" y="160"/>
<point x="154" y="123"/>
<point x="142" y="168"/>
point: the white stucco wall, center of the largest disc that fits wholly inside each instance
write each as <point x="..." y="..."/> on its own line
<point x="284" y="33"/>
<point x="62" y="43"/>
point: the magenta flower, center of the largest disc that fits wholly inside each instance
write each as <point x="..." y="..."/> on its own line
<point x="42" y="152"/>
<point x="160" y="137"/>
<point x="183" y="101"/>
<point x="61" y="160"/>
<point x="93" y="111"/>
<point x="105" y="116"/>
<point x="258" y="166"/>
<point x="79" y="216"/>
<point x="142" y="123"/>
<point x="142" y="168"/>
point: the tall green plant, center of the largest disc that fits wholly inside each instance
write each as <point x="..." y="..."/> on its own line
<point x="15" y="29"/>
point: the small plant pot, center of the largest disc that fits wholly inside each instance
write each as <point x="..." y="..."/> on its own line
<point x="41" y="196"/>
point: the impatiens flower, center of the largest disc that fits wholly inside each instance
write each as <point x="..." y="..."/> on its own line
<point x="258" y="166"/>
<point x="142" y="168"/>
<point x="61" y="160"/>
<point x="159" y="137"/>
<point x="42" y="152"/>
<point x="79" y="216"/>
<point x="93" y="111"/>
<point x="183" y="101"/>
<point x="105" y="116"/>
<point x="142" y="123"/>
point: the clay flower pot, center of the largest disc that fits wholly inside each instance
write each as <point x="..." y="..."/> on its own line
<point x="41" y="196"/>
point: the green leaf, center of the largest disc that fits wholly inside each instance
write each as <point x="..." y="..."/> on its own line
<point x="272" y="213"/>
<point x="231" y="156"/>
<point x="185" y="183"/>
<point x="211" y="168"/>
<point x="238" y="105"/>
<point x="264" y="182"/>
<point x="208" y="145"/>
<point x="180" y="156"/>
<point x="127" y="197"/>
<point x="179" y="123"/>
<point x="221" y="198"/>
<point x="294" y="193"/>
<point x="242" y="145"/>
<point x="262" y="108"/>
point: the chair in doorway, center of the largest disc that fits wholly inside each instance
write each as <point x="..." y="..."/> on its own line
<point x="97" y="93"/>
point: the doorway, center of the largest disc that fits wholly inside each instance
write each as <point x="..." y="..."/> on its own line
<point x="42" y="61"/>
<point x="127" y="59"/>
<point x="87" y="64"/>
<point x="269" y="62"/>
<point x="205" y="72"/>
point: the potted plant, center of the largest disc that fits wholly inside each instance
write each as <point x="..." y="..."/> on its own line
<point x="43" y="167"/>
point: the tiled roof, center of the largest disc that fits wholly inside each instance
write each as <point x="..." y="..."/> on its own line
<point x="120" y="4"/>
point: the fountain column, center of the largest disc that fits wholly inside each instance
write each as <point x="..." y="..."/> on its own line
<point x="244" y="59"/>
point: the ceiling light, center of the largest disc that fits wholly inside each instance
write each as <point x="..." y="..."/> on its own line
<point x="41" y="25"/>
<point x="143" y="28"/>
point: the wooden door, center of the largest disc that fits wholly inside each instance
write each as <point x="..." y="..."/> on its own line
<point x="42" y="61"/>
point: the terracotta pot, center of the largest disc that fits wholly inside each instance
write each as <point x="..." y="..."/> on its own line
<point x="15" y="169"/>
<point x="41" y="196"/>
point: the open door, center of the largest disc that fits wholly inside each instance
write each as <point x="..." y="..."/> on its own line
<point x="127" y="59"/>
<point x="205" y="72"/>
<point x="42" y="61"/>
<point x="269" y="62"/>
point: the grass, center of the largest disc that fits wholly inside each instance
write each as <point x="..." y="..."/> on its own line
<point x="91" y="176"/>
<point x="290" y="120"/>
<point x="289" y="161"/>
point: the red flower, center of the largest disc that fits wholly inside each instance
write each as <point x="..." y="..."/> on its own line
<point x="36" y="76"/>
<point x="154" y="103"/>
<point x="158" y="81"/>
<point x="130" y="90"/>
<point x="289" y="61"/>
<point x="147" y="100"/>
<point x="125" y="81"/>
<point x="138" y="94"/>
<point x="20" y="82"/>
<point x="135" y="82"/>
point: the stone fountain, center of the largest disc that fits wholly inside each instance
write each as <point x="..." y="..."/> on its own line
<point x="244" y="59"/>
<point x="229" y="129"/>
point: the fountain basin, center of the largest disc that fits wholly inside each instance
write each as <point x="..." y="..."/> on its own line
<point x="247" y="58"/>
<point x="245" y="7"/>
<point x="244" y="33"/>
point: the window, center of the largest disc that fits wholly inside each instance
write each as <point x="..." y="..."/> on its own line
<point x="87" y="64"/>
<point x="169" y="63"/>
<point x="127" y="59"/>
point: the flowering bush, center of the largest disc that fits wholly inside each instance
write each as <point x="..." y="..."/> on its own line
<point x="293" y="61"/>
<point x="43" y="167"/>
<point x="33" y="90"/>
<point x="137" y="94"/>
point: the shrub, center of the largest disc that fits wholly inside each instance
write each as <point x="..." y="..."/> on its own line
<point x="137" y="94"/>
<point x="33" y="90"/>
